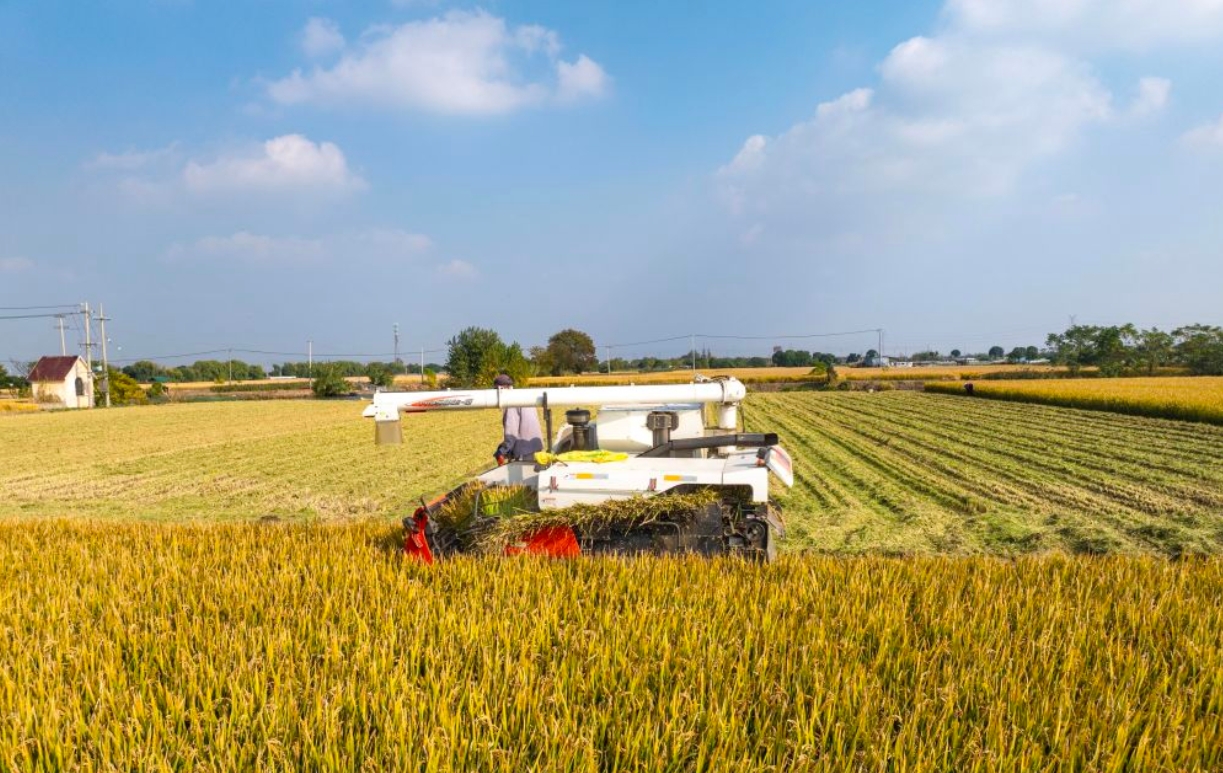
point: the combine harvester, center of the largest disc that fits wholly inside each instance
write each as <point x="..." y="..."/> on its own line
<point x="654" y="442"/>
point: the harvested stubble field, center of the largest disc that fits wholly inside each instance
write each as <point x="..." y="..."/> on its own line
<point x="246" y="647"/>
<point x="1189" y="398"/>
<point x="221" y="644"/>
<point x="924" y="473"/>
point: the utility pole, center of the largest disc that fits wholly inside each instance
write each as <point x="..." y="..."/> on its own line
<point x="310" y="358"/>
<point x="230" y="352"/>
<point x="609" y="366"/>
<point x="880" y="331"/>
<point x="422" y="364"/>
<point x="88" y="340"/>
<point x="105" y="361"/>
<point x="692" y="342"/>
<point x="63" y="345"/>
<point x="397" y="360"/>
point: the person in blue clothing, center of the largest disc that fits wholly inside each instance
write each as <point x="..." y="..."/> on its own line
<point x="522" y="435"/>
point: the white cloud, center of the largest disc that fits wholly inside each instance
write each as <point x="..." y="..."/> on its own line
<point x="1152" y="96"/>
<point x="355" y="248"/>
<point x="468" y="63"/>
<point x="948" y="116"/>
<point x="288" y="163"/>
<point x="1100" y="24"/>
<point x="133" y="160"/>
<point x="382" y="244"/>
<point x="321" y="37"/>
<point x="14" y="264"/>
<point x="458" y="269"/>
<point x="1206" y="136"/>
<point x="248" y="247"/>
<point x="583" y="78"/>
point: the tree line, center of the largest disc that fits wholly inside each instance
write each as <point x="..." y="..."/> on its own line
<point x="1126" y="350"/>
<point x="476" y="355"/>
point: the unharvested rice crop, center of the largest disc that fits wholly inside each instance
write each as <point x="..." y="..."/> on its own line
<point x="1189" y="398"/>
<point x="16" y="406"/>
<point x="893" y="472"/>
<point x="287" y="647"/>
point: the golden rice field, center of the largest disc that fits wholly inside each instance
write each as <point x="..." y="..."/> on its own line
<point x="1189" y="398"/>
<point x="150" y="622"/>
<point x="288" y="647"/>
<point x="17" y="406"/>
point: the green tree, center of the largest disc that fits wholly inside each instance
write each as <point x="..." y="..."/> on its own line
<point x="476" y="355"/>
<point x="124" y="390"/>
<point x="1114" y="351"/>
<point x="1200" y="348"/>
<point x="996" y="352"/>
<point x="1154" y="348"/>
<point x="792" y="358"/>
<point x="571" y="351"/>
<point x="955" y="353"/>
<point x="328" y="381"/>
<point x="380" y="375"/>
<point x="541" y="361"/>
<point x="144" y="371"/>
<point x="1074" y="348"/>
<point x="1031" y="353"/>
<point x="510" y="360"/>
<point x="470" y="354"/>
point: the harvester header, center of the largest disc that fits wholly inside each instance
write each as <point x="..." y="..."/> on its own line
<point x="647" y="441"/>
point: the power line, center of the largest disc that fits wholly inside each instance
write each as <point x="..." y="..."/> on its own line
<point x="34" y="308"/>
<point x="231" y="351"/>
<point x="32" y="316"/>
<point x="779" y="337"/>
<point x="171" y="356"/>
<point x="646" y="343"/>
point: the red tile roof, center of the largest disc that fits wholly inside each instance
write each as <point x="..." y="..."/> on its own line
<point x="53" y="368"/>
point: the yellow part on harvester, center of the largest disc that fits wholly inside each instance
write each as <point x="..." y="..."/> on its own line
<point x="597" y="457"/>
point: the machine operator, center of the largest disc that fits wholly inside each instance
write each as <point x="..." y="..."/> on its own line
<point x="521" y="425"/>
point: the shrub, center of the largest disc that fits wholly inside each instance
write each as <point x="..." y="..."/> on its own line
<point x="328" y="382"/>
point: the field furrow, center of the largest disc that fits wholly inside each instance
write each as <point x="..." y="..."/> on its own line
<point x="1003" y="486"/>
<point x="1172" y="483"/>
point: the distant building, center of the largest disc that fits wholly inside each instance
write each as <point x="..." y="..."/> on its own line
<point x="62" y="381"/>
<point x="885" y="362"/>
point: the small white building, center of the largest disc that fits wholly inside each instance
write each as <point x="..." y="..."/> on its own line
<point x="62" y="381"/>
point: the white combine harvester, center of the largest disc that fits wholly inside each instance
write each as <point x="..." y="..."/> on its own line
<point x="664" y="447"/>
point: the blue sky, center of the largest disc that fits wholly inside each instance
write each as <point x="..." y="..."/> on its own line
<point x="960" y="173"/>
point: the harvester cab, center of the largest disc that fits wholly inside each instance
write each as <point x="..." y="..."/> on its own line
<point x="680" y="442"/>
